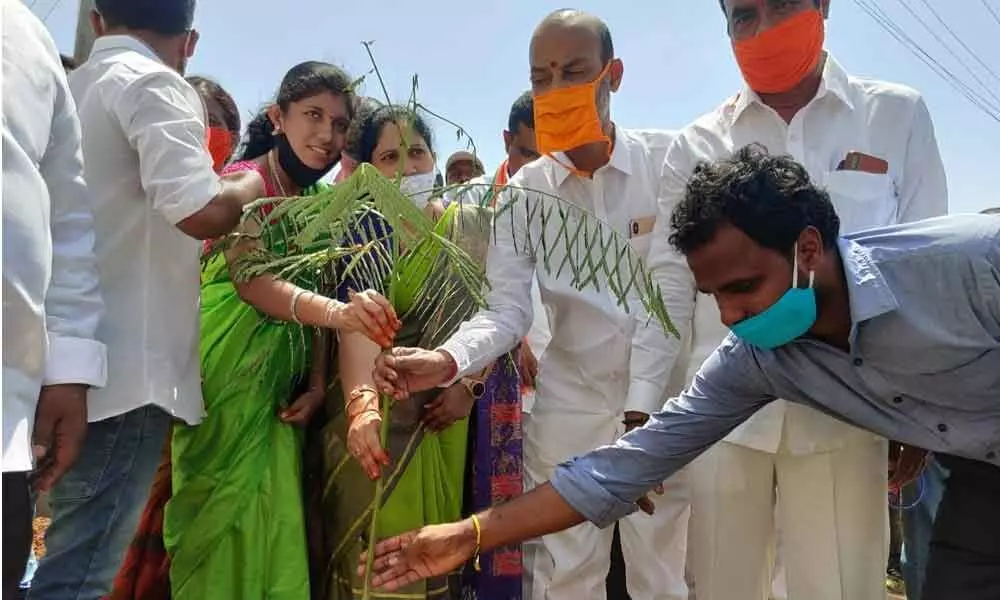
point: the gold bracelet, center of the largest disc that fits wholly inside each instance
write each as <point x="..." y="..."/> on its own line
<point x="331" y="307"/>
<point x="357" y="394"/>
<point x="295" y="300"/>
<point x="370" y="409"/>
<point x="479" y="540"/>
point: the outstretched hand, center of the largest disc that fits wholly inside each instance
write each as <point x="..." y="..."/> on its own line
<point x="417" y="555"/>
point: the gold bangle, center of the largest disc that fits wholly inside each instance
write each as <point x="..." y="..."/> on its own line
<point x="331" y="308"/>
<point x="295" y="300"/>
<point x="479" y="539"/>
<point x="357" y="394"/>
<point x="370" y="409"/>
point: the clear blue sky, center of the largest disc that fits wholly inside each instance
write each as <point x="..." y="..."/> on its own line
<point x="472" y="61"/>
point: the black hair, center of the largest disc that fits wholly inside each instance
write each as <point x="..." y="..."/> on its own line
<point x="600" y="28"/>
<point x="769" y="198"/>
<point x="302" y="81"/>
<point x="722" y="5"/>
<point x="522" y="112"/>
<point x="68" y="62"/>
<point x="208" y="88"/>
<point x="363" y="106"/>
<point x="367" y="129"/>
<point x="165" y="17"/>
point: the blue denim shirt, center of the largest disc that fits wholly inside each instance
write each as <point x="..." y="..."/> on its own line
<point x="923" y="366"/>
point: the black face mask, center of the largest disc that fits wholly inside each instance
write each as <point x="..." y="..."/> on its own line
<point x="300" y="173"/>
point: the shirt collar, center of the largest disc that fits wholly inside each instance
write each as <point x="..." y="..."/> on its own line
<point x="834" y="81"/>
<point x="868" y="291"/>
<point x="123" y="42"/>
<point x="620" y="159"/>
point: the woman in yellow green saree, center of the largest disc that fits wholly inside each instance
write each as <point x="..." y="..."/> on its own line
<point x="431" y="463"/>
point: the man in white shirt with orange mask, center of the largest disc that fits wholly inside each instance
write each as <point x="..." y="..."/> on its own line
<point x="591" y="387"/>
<point x="872" y="145"/>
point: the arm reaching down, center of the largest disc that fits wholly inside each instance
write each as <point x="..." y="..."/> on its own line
<point x="439" y="549"/>
<point x="76" y="359"/>
<point x="303" y="408"/>
<point x="602" y="486"/>
<point x="361" y="403"/>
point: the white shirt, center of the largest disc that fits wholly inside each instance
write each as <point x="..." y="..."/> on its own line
<point x="51" y="303"/>
<point x="591" y="336"/>
<point x="147" y="166"/>
<point x="885" y="120"/>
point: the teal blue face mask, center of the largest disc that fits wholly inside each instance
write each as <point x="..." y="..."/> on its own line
<point x="788" y="318"/>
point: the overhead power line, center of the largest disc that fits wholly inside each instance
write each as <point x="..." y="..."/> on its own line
<point x="52" y="9"/>
<point x="978" y="99"/>
<point x="992" y="11"/>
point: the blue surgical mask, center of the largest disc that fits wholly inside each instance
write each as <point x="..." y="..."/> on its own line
<point x="785" y="320"/>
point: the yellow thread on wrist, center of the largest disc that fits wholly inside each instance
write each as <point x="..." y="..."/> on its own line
<point x="479" y="538"/>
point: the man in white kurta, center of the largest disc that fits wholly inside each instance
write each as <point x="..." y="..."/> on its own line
<point x="588" y="376"/>
<point x="872" y="145"/>
<point x="51" y="302"/>
<point x="584" y="375"/>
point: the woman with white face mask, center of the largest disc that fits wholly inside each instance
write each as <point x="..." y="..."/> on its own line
<point x="438" y="461"/>
<point x="397" y="143"/>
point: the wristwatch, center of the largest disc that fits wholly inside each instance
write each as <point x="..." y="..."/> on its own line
<point x="476" y="387"/>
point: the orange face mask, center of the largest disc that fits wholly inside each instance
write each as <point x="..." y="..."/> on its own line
<point x="778" y="59"/>
<point x="220" y="146"/>
<point x="567" y="118"/>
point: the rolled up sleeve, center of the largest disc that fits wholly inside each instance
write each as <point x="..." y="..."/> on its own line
<point x="165" y="126"/>
<point x="604" y="485"/>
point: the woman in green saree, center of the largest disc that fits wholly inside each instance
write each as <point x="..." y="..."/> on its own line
<point x="426" y="463"/>
<point x="234" y="527"/>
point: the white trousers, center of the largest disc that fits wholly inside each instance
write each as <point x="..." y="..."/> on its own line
<point x="574" y="564"/>
<point x="832" y="516"/>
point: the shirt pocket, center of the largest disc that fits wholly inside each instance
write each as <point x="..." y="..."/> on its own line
<point x="640" y="234"/>
<point x="862" y="200"/>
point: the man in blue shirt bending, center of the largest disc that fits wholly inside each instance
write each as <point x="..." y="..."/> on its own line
<point x="896" y="330"/>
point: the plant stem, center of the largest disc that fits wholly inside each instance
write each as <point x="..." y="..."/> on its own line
<point x="386" y="403"/>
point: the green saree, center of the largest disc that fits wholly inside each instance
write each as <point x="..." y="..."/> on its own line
<point x="235" y="527"/>
<point x="425" y="483"/>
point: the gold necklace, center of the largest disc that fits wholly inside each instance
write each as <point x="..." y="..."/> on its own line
<point x="274" y="174"/>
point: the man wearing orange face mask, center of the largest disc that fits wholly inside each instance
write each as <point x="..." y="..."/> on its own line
<point x="871" y="145"/>
<point x="591" y="387"/>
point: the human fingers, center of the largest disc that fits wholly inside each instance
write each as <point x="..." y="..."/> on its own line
<point x="646" y="505"/>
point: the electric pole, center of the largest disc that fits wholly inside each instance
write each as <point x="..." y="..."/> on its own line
<point x="84" y="32"/>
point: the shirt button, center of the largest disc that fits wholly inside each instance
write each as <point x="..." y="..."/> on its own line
<point x="942" y="427"/>
<point x="858" y="362"/>
<point x="897" y="400"/>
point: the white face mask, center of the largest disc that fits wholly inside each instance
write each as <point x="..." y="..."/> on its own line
<point x="418" y="188"/>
